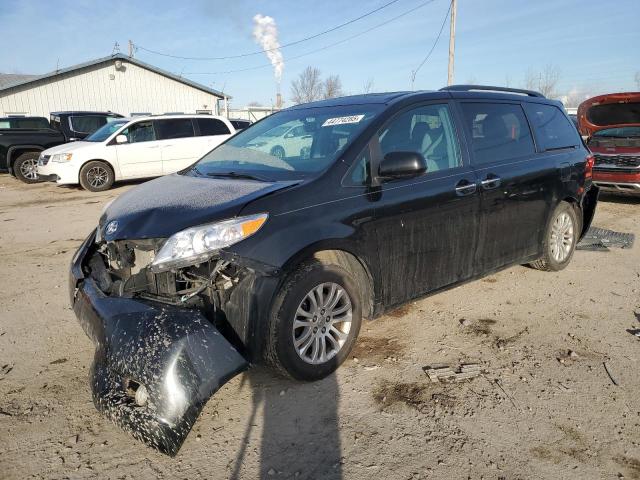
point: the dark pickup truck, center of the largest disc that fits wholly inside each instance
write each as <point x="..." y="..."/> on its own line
<point x="23" y="138"/>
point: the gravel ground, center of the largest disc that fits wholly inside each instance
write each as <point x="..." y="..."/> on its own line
<point x="544" y="406"/>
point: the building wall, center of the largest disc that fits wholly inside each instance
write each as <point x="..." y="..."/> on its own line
<point x="129" y="89"/>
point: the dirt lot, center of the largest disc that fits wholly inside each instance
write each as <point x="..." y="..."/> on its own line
<point x="538" y="411"/>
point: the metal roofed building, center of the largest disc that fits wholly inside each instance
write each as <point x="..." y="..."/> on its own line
<point x="117" y="83"/>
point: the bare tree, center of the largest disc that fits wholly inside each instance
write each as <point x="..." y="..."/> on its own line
<point x="254" y="104"/>
<point x="308" y="87"/>
<point x="367" y="87"/>
<point x="544" y="81"/>
<point x="332" y="87"/>
<point x="637" y="79"/>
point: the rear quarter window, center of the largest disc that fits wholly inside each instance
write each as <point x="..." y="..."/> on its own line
<point x="554" y="130"/>
<point x="499" y="131"/>
<point x="212" y="126"/>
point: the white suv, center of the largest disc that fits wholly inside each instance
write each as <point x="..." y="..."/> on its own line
<point x="128" y="148"/>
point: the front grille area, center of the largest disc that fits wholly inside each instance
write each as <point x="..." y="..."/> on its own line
<point x="619" y="161"/>
<point x="44" y="159"/>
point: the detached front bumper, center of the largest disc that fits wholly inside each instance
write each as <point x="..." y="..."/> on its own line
<point x="175" y="353"/>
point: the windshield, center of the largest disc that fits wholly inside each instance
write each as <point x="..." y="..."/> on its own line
<point x="620" y="132"/>
<point x="291" y="144"/>
<point x="105" y="131"/>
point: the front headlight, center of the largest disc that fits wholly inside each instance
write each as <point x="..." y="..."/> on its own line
<point x="197" y="244"/>
<point x="61" y="157"/>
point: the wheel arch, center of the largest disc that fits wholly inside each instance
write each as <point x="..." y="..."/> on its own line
<point x="345" y="258"/>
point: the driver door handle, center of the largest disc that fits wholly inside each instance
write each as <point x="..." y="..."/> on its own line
<point x="465" y="187"/>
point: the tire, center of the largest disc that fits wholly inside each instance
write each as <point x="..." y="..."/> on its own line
<point x="281" y="351"/>
<point x="24" y="167"/>
<point x="560" y="239"/>
<point x="277" y="151"/>
<point x="96" y="176"/>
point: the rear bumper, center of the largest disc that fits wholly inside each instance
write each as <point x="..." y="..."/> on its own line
<point x="175" y="353"/>
<point x="619" y="182"/>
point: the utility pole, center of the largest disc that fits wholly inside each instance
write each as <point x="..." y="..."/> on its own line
<point x="452" y="41"/>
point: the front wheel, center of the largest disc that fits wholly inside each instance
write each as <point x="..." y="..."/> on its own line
<point x="278" y="152"/>
<point x="315" y="322"/>
<point x="560" y="239"/>
<point x="26" y="167"/>
<point x="96" y="176"/>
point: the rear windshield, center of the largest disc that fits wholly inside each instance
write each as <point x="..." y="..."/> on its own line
<point x="290" y="144"/>
<point x="614" y="113"/>
<point x="35" y="122"/>
<point x="620" y="132"/>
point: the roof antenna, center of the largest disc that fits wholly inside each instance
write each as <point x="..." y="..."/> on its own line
<point x="58" y="65"/>
<point x="116" y="49"/>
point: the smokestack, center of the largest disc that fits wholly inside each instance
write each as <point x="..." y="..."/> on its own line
<point x="265" y="33"/>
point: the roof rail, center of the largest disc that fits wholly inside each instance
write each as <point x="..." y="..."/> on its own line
<point x="486" y="88"/>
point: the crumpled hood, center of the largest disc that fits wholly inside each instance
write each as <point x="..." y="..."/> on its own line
<point x="166" y="205"/>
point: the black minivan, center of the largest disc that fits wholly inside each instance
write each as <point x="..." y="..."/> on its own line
<point x="248" y="256"/>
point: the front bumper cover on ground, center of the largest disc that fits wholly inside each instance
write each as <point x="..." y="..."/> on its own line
<point x="175" y="353"/>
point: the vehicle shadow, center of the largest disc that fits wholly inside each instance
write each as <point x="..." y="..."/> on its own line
<point x="300" y="431"/>
<point x="625" y="199"/>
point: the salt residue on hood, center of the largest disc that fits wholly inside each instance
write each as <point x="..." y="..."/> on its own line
<point x="168" y="204"/>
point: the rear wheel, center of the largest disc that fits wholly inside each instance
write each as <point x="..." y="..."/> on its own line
<point x="315" y="323"/>
<point x="96" y="176"/>
<point x="25" y="167"/>
<point x="560" y="239"/>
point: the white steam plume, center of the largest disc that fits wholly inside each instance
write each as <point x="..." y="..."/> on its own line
<point x="265" y="34"/>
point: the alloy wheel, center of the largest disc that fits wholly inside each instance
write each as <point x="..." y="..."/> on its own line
<point x="562" y="236"/>
<point x="322" y="323"/>
<point x="97" y="176"/>
<point x="29" y="169"/>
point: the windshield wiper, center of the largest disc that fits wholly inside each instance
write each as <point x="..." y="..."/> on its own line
<point x="245" y="176"/>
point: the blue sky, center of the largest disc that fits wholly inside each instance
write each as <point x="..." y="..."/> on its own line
<point x="594" y="44"/>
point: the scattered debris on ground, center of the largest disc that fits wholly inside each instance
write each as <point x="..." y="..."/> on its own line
<point x="444" y="373"/>
<point x="601" y="239"/>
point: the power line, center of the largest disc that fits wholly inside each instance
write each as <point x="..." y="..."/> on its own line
<point x="268" y="65"/>
<point x="259" y="52"/>
<point x="444" y="21"/>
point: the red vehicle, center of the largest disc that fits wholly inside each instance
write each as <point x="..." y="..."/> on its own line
<point x="611" y="125"/>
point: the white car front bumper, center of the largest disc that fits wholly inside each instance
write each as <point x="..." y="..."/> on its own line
<point x="62" y="173"/>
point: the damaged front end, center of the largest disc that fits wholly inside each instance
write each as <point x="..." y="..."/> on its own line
<point x="165" y="340"/>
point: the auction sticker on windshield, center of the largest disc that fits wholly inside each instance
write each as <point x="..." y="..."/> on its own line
<point x="329" y="122"/>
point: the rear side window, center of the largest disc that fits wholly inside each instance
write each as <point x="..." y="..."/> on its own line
<point x="499" y="131"/>
<point x="553" y="128"/>
<point x="240" y="124"/>
<point x="87" y="123"/>
<point x="212" y="126"/>
<point x="174" y="128"/>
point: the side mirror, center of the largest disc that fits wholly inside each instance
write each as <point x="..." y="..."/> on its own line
<point x="121" y="139"/>
<point x="402" y="165"/>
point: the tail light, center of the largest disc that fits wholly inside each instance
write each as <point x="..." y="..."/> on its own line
<point x="588" y="167"/>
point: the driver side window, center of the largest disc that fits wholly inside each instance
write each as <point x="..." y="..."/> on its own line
<point x="428" y="130"/>
<point x="140" y="132"/>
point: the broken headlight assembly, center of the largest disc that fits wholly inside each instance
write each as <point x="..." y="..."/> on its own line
<point x="197" y="244"/>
